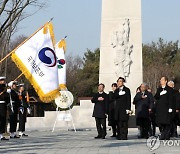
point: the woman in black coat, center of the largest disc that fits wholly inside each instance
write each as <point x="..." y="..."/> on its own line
<point x="111" y="114"/>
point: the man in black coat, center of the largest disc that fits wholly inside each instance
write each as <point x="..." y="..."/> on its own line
<point x="122" y="96"/>
<point x="143" y="101"/>
<point x="4" y="100"/>
<point x="100" y="101"/>
<point x="111" y="108"/>
<point x="13" y="109"/>
<point x="164" y="99"/>
<point x="174" y="118"/>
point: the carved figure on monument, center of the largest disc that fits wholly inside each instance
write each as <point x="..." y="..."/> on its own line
<point x="123" y="49"/>
<point x="126" y="30"/>
<point x="128" y="61"/>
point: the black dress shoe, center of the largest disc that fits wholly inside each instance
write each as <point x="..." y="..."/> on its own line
<point x="118" y="138"/>
<point x="4" y="138"/>
<point x="15" y="136"/>
<point x="113" y="135"/>
<point x="97" y="137"/>
<point x="103" y="137"/>
<point x="24" y="135"/>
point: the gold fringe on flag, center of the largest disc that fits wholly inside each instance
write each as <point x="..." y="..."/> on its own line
<point x="62" y="44"/>
<point x="63" y="86"/>
<point x="46" y="98"/>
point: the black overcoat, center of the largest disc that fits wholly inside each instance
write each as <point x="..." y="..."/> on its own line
<point x="143" y="105"/>
<point x="100" y="107"/>
<point x="163" y="104"/>
<point x="111" y="108"/>
<point x="123" y="103"/>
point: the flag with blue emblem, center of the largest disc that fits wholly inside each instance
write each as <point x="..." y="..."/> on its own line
<point x="60" y="49"/>
<point x="36" y="58"/>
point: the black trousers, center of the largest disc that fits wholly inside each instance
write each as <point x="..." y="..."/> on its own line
<point x="114" y="129"/>
<point x="2" y="123"/>
<point x="122" y="130"/>
<point x="152" y="130"/>
<point x="165" y="131"/>
<point x="22" y="120"/>
<point x="173" y="126"/>
<point x="144" y="124"/>
<point x="101" y="126"/>
<point x="13" y="123"/>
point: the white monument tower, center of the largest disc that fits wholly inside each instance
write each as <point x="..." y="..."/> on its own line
<point x="121" y="43"/>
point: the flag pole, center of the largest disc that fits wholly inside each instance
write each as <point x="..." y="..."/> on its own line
<point x="6" y="57"/>
<point x="18" y="76"/>
<point x="25" y="41"/>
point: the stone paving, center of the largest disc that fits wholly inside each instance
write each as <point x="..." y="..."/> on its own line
<point x="81" y="142"/>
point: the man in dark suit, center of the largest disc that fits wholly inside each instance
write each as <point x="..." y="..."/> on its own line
<point x="164" y="99"/>
<point x="4" y="100"/>
<point x="100" y="101"/>
<point x="122" y="96"/>
<point x="143" y="101"/>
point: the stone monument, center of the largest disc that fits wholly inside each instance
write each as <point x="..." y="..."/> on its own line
<point x="121" y="43"/>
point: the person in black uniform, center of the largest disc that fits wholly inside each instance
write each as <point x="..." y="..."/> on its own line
<point x="122" y="96"/>
<point x="143" y="101"/>
<point x="4" y="100"/>
<point x="23" y="111"/>
<point x="111" y="107"/>
<point x="13" y="109"/>
<point x="164" y="98"/>
<point x="100" y="101"/>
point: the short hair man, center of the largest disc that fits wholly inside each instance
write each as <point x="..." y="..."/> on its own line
<point x="164" y="99"/>
<point x="122" y="96"/>
<point x="100" y="100"/>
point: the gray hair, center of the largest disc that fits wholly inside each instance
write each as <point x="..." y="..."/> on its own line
<point x="145" y="84"/>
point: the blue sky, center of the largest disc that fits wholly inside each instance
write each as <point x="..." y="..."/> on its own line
<point x="80" y="20"/>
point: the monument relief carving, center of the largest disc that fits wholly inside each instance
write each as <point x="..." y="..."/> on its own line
<point x="123" y="49"/>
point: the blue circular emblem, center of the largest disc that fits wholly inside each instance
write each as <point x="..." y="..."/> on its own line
<point x="47" y="56"/>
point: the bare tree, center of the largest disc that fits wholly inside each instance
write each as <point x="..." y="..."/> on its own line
<point x="12" y="12"/>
